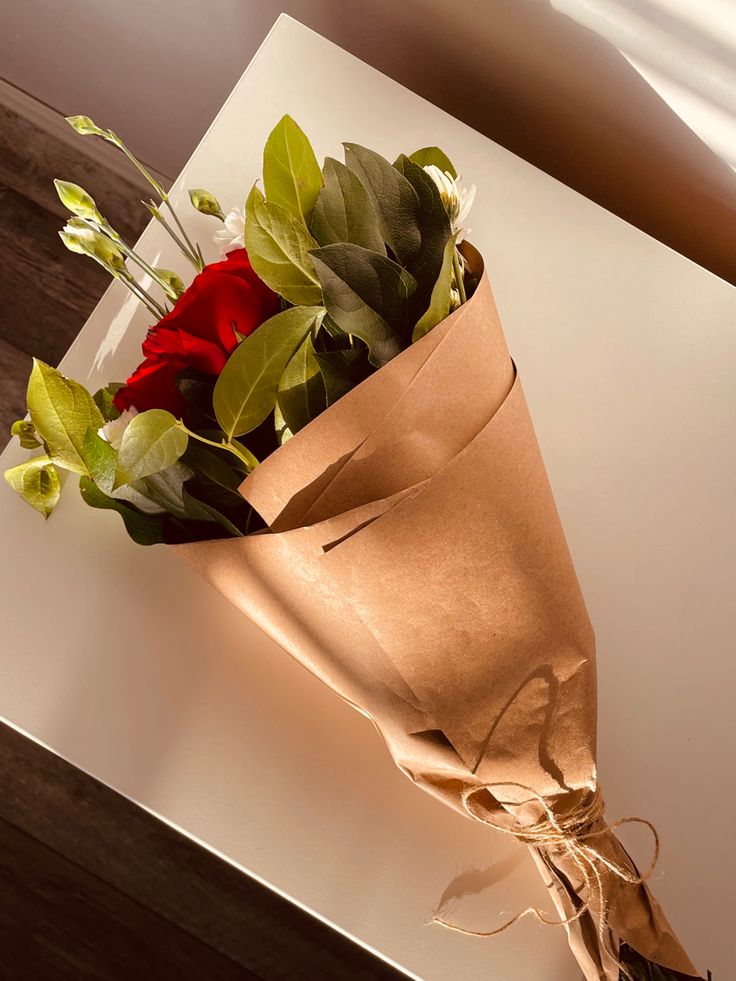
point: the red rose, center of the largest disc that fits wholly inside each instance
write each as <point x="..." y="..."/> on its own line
<point x="199" y="333"/>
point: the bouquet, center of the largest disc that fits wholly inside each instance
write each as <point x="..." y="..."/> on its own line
<point x="327" y="425"/>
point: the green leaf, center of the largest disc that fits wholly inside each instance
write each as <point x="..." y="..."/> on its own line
<point x="37" y="482"/>
<point x="291" y="174"/>
<point x="144" y="529"/>
<point x="283" y="433"/>
<point x="103" y="399"/>
<point x="394" y="200"/>
<point x="344" y="212"/>
<point x="367" y="295"/>
<point x="62" y="411"/>
<point x="152" y="441"/>
<point x="218" y="472"/>
<point x="245" y="392"/>
<point x="343" y="370"/>
<point x="439" y="304"/>
<point x="301" y="394"/>
<point x="26" y="433"/>
<point x="434" y="226"/>
<point x="278" y="247"/>
<point x="100" y="459"/>
<point x="200" y="511"/>
<point x="432" y="155"/>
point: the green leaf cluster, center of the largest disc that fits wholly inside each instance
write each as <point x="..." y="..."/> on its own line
<point x="364" y="247"/>
<point x="161" y="490"/>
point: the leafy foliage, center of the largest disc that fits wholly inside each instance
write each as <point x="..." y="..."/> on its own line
<point x="361" y="254"/>
<point x="366" y="295"/>
<point x="245" y="392"/>
<point x="62" y="411"/>
<point x="37" y="482"/>
<point x="433" y="156"/>
<point x="394" y="200"/>
<point x="344" y="212"/>
<point x="278" y="246"/>
<point x="301" y="394"/>
<point x="291" y="174"/>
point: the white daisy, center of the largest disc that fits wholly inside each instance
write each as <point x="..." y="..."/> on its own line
<point x="230" y="234"/>
<point x="458" y="200"/>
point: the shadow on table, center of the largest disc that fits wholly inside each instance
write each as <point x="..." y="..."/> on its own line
<point x="557" y="94"/>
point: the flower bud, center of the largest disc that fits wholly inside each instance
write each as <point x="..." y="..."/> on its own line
<point x="86" y="241"/>
<point x="206" y="203"/>
<point x="78" y="201"/>
<point x="84" y="126"/>
<point x="173" y="281"/>
<point x="151" y="208"/>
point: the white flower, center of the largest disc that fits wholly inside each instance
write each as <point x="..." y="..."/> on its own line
<point x="230" y="235"/>
<point x="458" y="200"/>
<point x="112" y="432"/>
<point x="81" y="233"/>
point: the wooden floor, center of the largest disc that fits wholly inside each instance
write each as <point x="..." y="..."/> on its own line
<point x="92" y="886"/>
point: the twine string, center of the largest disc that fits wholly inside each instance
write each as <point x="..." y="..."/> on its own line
<point x="574" y="834"/>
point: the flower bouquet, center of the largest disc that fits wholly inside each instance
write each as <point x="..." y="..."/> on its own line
<point x="327" y="425"/>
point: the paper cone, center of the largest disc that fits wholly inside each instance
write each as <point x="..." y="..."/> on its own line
<point x="416" y="564"/>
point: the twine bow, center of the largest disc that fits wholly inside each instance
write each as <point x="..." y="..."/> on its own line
<point x="572" y="834"/>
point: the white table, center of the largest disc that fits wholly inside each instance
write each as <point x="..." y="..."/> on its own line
<point x="120" y="660"/>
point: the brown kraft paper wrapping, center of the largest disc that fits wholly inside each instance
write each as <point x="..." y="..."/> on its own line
<point x="416" y="564"/>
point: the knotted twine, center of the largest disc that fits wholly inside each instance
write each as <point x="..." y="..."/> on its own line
<point x="570" y="833"/>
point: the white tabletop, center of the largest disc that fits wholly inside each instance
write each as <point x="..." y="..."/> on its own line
<point x="119" y="659"/>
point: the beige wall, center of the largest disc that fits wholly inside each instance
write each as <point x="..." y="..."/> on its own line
<point x="521" y="71"/>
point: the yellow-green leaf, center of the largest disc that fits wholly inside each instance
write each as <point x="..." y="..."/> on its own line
<point x="37" y="482"/>
<point x="152" y="441"/>
<point x="278" y="247"/>
<point x="100" y="459"/>
<point x="301" y="394"/>
<point x="440" y="302"/>
<point x="432" y="155"/>
<point x="246" y="390"/>
<point x="62" y="411"/>
<point x="291" y="174"/>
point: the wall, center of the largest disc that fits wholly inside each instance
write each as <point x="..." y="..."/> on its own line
<point x="529" y="73"/>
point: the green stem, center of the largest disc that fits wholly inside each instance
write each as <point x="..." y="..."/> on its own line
<point x="199" y="262"/>
<point x="224" y="445"/>
<point x="134" y="289"/>
<point x="145" y="296"/>
<point x="112" y="235"/>
<point x="185" y="251"/>
<point x="137" y="164"/>
<point x="192" y="253"/>
<point x="457" y="269"/>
